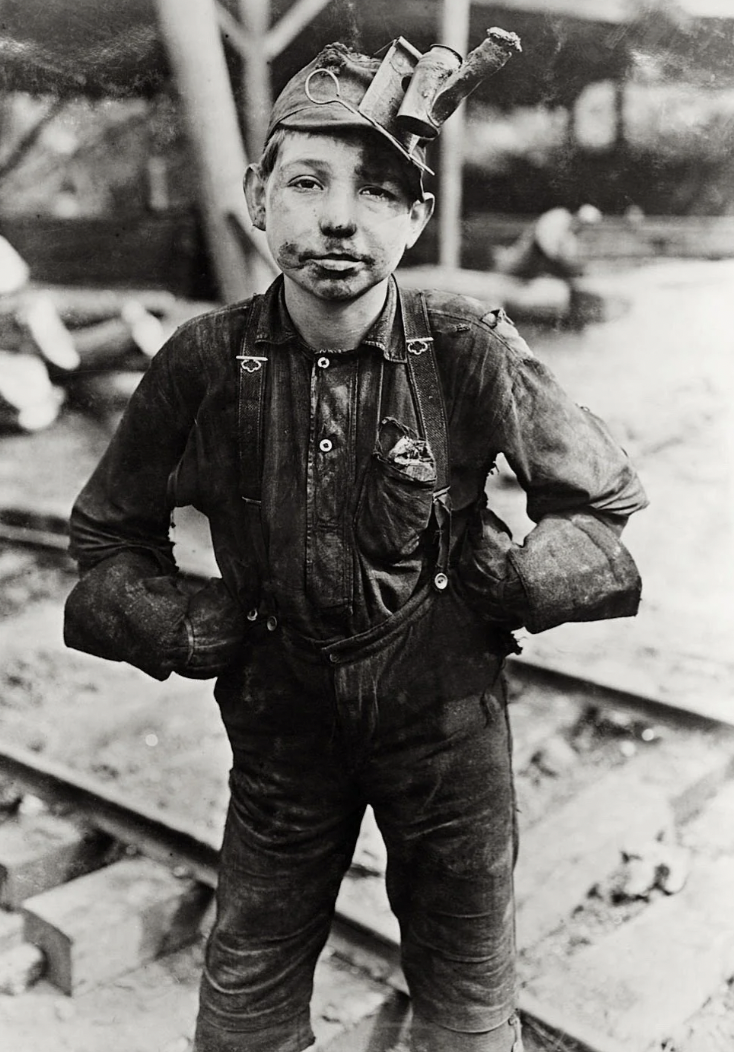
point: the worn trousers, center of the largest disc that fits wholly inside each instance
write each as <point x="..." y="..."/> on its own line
<point x="409" y="718"/>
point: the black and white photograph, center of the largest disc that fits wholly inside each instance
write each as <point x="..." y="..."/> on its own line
<point x="367" y="525"/>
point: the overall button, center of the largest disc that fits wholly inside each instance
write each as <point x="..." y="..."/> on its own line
<point x="326" y="445"/>
<point x="252" y="615"/>
<point x="333" y="658"/>
<point x="440" y="581"/>
<point x="271" y="624"/>
<point x="323" y="362"/>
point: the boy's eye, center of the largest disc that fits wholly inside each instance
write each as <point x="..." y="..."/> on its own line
<point x="305" y="182"/>
<point x="380" y="192"/>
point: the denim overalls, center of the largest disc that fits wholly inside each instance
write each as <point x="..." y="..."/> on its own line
<point x="408" y="716"/>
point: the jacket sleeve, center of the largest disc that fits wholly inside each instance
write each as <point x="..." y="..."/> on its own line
<point x="580" y="487"/>
<point x="130" y="603"/>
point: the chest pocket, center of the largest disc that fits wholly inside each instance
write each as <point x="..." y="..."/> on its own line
<point x="396" y="501"/>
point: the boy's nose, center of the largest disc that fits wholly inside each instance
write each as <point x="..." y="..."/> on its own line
<point x="338" y="217"/>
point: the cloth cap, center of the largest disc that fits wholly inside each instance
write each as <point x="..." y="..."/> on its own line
<point x="327" y="94"/>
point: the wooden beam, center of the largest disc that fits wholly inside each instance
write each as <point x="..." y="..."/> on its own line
<point x="191" y="32"/>
<point x="290" y="25"/>
<point x="257" y="96"/>
<point x="455" y="33"/>
<point x="236" y="34"/>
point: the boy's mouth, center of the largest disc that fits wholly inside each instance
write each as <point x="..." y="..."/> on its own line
<point x="336" y="262"/>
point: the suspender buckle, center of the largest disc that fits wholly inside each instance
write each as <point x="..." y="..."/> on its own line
<point x="251" y="363"/>
<point x="418" y="345"/>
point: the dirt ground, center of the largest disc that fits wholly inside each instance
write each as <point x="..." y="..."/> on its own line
<point x="661" y="372"/>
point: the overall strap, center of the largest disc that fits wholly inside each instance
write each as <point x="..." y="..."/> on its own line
<point x="431" y="409"/>
<point x="251" y="408"/>
<point x="251" y="443"/>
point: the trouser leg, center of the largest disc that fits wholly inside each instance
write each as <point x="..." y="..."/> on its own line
<point x="290" y="834"/>
<point x="438" y="774"/>
<point x="429" y="1037"/>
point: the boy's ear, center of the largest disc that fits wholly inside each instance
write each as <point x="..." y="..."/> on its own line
<point x="254" y="186"/>
<point x="420" y="213"/>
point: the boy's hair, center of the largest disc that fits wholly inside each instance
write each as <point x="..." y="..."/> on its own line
<point x="269" y="156"/>
<point x="410" y="177"/>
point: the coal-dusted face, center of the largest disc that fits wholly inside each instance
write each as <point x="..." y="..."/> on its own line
<point x="338" y="211"/>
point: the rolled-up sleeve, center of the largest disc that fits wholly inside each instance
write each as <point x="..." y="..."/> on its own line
<point x="130" y="604"/>
<point x="581" y="488"/>
<point x="124" y="506"/>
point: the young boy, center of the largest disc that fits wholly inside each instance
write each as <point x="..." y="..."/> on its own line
<point x="338" y="433"/>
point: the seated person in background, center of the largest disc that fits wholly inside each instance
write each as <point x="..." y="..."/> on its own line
<point x="550" y="247"/>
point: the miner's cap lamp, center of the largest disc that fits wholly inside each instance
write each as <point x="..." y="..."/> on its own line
<point x="400" y="93"/>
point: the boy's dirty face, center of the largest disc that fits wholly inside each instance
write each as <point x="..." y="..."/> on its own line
<point x="337" y="211"/>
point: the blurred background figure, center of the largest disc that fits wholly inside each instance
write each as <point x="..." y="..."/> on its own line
<point x="551" y="247"/>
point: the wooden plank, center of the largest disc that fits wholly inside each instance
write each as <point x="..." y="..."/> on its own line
<point x="564" y="1025"/>
<point x="107" y="923"/>
<point x="37" y="852"/>
<point x="563" y="856"/>
<point x="645" y="979"/>
<point x="570" y="851"/>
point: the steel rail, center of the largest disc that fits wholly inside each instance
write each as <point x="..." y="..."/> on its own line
<point x="644" y="705"/>
<point x="151" y="830"/>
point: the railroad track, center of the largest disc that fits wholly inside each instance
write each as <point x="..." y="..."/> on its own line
<point x="624" y="883"/>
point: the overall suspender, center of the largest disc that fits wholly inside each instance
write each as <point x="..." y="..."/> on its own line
<point x="251" y="409"/>
<point x="427" y="396"/>
<point x="431" y="409"/>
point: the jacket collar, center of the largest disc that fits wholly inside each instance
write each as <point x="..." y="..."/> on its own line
<point x="385" y="333"/>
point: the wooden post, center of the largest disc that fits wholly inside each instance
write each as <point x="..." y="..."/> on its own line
<point x="195" y="49"/>
<point x="620" y="116"/>
<point x="455" y="34"/>
<point x="257" y="92"/>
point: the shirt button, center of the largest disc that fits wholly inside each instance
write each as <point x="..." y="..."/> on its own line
<point x="333" y="658"/>
<point x="252" y="615"/>
<point x="326" y="445"/>
<point x="323" y="362"/>
<point x="440" y="581"/>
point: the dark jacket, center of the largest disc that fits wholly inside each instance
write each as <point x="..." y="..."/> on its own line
<point x="345" y="534"/>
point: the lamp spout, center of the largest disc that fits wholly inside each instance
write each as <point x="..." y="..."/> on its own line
<point x="491" y="55"/>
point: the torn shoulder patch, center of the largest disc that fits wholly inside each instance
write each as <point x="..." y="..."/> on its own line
<point x="503" y="327"/>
